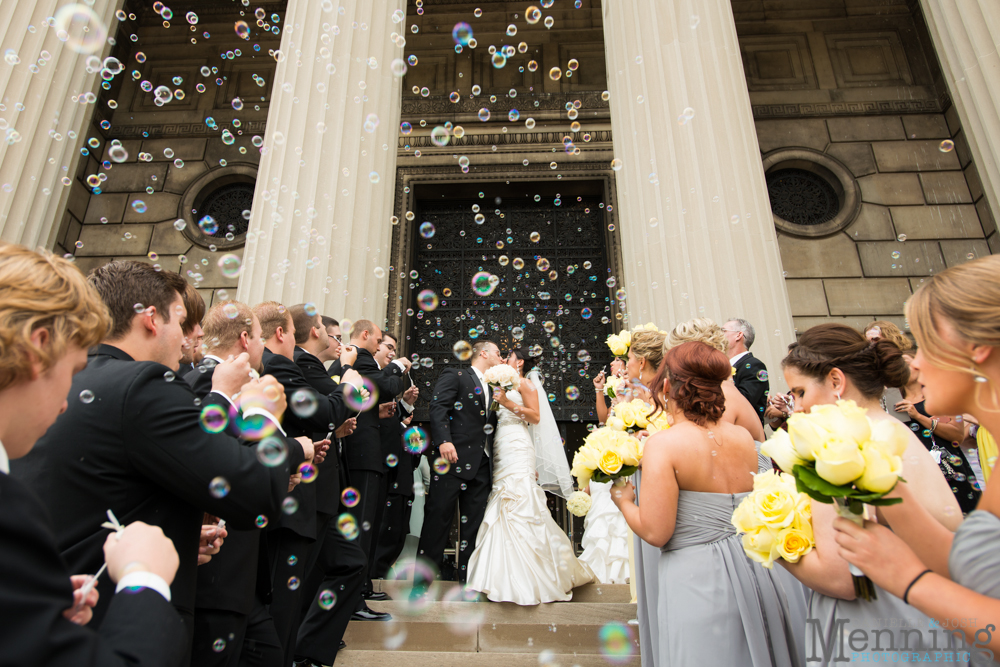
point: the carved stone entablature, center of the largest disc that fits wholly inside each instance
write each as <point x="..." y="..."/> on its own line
<point x="177" y="130"/>
<point x="509" y="139"/>
<point x="421" y="106"/>
<point x="871" y="108"/>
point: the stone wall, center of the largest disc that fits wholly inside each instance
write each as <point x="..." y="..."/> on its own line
<point x="859" y="82"/>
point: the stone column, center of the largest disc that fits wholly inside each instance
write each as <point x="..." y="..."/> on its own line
<point x="320" y="225"/>
<point x="696" y="228"/>
<point x="46" y="100"/>
<point x="966" y="36"/>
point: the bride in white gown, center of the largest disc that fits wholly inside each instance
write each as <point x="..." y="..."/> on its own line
<point x="522" y="555"/>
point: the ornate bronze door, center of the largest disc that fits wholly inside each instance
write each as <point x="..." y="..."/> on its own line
<point x="550" y="294"/>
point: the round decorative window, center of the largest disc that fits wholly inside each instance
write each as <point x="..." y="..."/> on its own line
<point x="216" y="206"/>
<point x="811" y="193"/>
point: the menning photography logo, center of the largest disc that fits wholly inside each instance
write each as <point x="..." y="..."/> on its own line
<point x="899" y="640"/>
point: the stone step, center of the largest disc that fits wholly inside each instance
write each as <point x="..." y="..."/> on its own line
<point x="468" y="627"/>
<point x="603" y="593"/>
<point x="363" y="658"/>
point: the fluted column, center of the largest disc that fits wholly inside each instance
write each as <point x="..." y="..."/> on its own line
<point x="320" y="225"/>
<point x="44" y="113"/>
<point x="966" y="36"/>
<point x="696" y="227"/>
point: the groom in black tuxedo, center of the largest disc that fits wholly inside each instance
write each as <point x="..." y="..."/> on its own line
<point x="459" y="416"/>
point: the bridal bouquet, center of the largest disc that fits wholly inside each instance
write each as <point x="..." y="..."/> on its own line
<point x="614" y="387"/>
<point x="503" y="376"/>
<point x="775" y="520"/>
<point x="619" y="343"/>
<point x="607" y="455"/>
<point x="839" y="455"/>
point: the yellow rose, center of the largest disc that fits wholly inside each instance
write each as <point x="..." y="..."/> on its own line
<point x="793" y="544"/>
<point x="882" y="468"/>
<point x="806" y="435"/>
<point x="659" y="422"/>
<point x="642" y="410"/>
<point x="803" y="516"/>
<point x="625" y="337"/>
<point x="774" y="506"/>
<point x="743" y="518"/>
<point x="584" y="464"/>
<point x="616" y="423"/>
<point x="892" y="435"/>
<point x="760" y="545"/>
<point x="839" y="460"/>
<point x="630" y="451"/>
<point x="765" y="480"/>
<point x="626" y="413"/>
<point x="845" y="419"/>
<point x="779" y="447"/>
<point x="611" y="462"/>
<point x="618" y="347"/>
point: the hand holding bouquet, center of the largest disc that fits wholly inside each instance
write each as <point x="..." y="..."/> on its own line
<point x="839" y="455"/>
<point x="501" y="376"/>
<point x="607" y="455"/>
<point x="775" y="520"/>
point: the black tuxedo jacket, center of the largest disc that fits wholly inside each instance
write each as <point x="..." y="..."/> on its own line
<point x="328" y="482"/>
<point x="751" y="380"/>
<point x="391" y="432"/>
<point x="138" y="449"/>
<point x="138" y="629"/>
<point x="462" y="426"/>
<point x="229" y="580"/>
<point x="363" y="448"/>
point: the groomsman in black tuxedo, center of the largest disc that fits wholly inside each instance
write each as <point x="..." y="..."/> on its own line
<point x="751" y="373"/>
<point x="292" y="539"/>
<point x="235" y="587"/>
<point x="395" y="519"/>
<point x="335" y="564"/>
<point x="459" y="414"/>
<point x="134" y="439"/>
<point x="49" y="316"/>
<point x="363" y="448"/>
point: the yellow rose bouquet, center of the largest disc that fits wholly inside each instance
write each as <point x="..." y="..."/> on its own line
<point x="619" y="343"/>
<point x="839" y="455"/>
<point x="607" y="455"/>
<point x="775" y="520"/>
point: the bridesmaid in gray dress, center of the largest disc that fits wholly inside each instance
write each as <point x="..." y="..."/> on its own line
<point x="714" y="605"/>
<point x="954" y="579"/>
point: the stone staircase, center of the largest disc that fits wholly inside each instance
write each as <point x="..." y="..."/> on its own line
<point x="446" y="630"/>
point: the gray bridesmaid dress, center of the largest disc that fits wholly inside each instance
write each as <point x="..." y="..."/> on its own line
<point x="715" y="605"/>
<point x="647" y="563"/>
<point x="974" y="562"/>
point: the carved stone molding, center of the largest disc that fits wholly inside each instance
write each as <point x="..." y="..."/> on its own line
<point x="186" y="130"/>
<point x="438" y="104"/>
<point x="872" y="108"/>
<point x="509" y="139"/>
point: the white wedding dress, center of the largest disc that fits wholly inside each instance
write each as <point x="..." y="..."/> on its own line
<point x="521" y="555"/>
<point x="605" y="537"/>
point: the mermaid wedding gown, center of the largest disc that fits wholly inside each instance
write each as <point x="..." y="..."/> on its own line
<point x="521" y="555"/>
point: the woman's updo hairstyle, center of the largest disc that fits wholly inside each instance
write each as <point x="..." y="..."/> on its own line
<point x="701" y="329"/>
<point x="529" y="361"/>
<point x="889" y="331"/>
<point x="696" y="372"/>
<point x="871" y="366"/>
<point x="648" y="345"/>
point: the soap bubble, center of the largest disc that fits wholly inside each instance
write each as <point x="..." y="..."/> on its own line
<point x="350" y="497"/>
<point x="440" y="136"/>
<point x="555" y="73"/>
<point x="219" y="645"/>
<point x="572" y="392"/>
<point x="327" y="599"/>
<point x="242" y="29"/>
<point x="415" y="438"/>
<point x="230" y="265"/>
<point x="272" y="452"/>
<point x="86" y="396"/>
<point x="616" y="642"/>
<point x="304" y="403"/>
<point x="484" y="114"/>
<point x="81" y="28"/>
<point x="308" y="472"/>
<point x="208" y="225"/>
<point x="616" y="164"/>
<point x="533" y="15"/>
<point x="461" y="33"/>
<point x="542" y="264"/>
<point x="946" y="146"/>
<point x="427" y="230"/>
<point x="462" y="350"/>
<point x="483" y="283"/>
<point x="219" y="487"/>
<point x="427" y="300"/>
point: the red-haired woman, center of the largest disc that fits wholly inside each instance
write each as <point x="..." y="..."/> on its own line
<point x="716" y="606"/>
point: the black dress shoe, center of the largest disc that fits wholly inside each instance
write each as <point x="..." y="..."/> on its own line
<point x="370" y="615"/>
<point x="343" y="645"/>
<point x="377" y="597"/>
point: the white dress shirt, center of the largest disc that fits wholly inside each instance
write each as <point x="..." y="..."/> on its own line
<point x="250" y="412"/>
<point x="733" y="360"/>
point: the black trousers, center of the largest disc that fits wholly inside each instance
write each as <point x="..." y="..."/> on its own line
<point x="371" y="487"/>
<point x="249" y="641"/>
<point x="338" y="565"/>
<point x="392" y="536"/>
<point x="439" y="507"/>
<point x="286" y="608"/>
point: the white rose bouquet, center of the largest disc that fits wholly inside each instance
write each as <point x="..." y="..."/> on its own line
<point x="775" y="520"/>
<point x="839" y="455"/>
<point x="502" y="376"/>
<point x="579" y="503"/>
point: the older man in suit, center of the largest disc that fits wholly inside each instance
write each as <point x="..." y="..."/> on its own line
<point x="751" y="373"/>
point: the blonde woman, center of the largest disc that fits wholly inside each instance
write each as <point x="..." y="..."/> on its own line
<point x="953" y="578"/>
<point x="605" y="533"/>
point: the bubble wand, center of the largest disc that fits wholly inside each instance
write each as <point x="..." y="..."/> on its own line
<point x="111" y="524"/>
